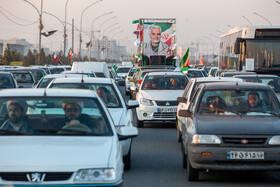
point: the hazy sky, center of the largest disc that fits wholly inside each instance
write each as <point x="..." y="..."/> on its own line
<point x="196" y="19"/>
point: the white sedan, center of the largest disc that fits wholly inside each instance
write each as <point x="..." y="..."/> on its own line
<point x="39" y="148"/>
<point x="120" y="111"/>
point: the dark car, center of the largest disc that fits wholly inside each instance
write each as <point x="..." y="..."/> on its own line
<point x="7" y="80"/>
<point x="231" y="126"/>
<point x="230" y="74"/>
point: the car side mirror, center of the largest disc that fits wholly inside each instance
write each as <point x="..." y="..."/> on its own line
<point x="181" y="100"/>
<point x="184" y="113"/>
<point x="132" y="104"/>
<point x="127" y="132"/>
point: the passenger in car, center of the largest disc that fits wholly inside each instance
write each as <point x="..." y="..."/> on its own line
<point x="216" y="103"/>
<point x="4" y="82"/>
<point x="254" y="102"/>
<point x="17" y="119"/>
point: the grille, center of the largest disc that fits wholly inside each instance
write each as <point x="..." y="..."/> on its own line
<point x="50" y="176"/>
<point x="163" y="103"/>
<point x="230" y="140"/>
<point x="163" y="115"/>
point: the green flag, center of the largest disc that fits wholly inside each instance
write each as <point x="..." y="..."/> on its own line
<point x="185" y="60"/>
<point x="135" y="21"/>
<point x="115" y="69"/>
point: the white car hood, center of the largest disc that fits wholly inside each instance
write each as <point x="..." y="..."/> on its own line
<point x="46" y="153"/>
<point x="116" y="114"/>
<point x="161" y="95"/>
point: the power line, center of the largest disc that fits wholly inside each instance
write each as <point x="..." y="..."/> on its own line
<point x="18" y="17"/>
<point x="15" y="21"/>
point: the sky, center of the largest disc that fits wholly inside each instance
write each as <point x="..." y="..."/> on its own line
<point x="197" y="20"/>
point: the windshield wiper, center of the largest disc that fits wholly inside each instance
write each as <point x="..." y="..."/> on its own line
<point x="11" y="132"/>
<point x="51" y="131"/>
<point x="271" y="113"/>
<point x="221" y="110"/>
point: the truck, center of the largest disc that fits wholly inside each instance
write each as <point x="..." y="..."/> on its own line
<point x="156" y="41"/>
<point x="252" y="48"/>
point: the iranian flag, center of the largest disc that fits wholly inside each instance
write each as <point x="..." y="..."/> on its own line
<point x="55" y="57"/>
<point x="70" y="53"/>
<point x="185" y="62"/>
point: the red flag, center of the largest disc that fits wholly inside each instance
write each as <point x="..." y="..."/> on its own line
<point x="70" y="54"/>
<point x="201" y="62"/>
<point x="55" y="57"/>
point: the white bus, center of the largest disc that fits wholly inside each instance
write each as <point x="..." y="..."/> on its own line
<point x="254" y="48"/>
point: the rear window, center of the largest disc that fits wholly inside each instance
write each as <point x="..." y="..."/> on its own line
<point x="23" y="77"/>
<point x="99" y="74"/>
<point x="6" y="81"/>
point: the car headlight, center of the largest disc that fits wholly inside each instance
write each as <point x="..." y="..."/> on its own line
<point x="275" y="140"/>
<point x="205" y="139"/>
<point x="85" y="175"/>
<point x="147" y="102"/>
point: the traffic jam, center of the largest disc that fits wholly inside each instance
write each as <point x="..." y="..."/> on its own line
<point x="82" y="121"/>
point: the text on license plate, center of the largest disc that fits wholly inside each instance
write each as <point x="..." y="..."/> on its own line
<point x="245" y="155"/>
<point x="167" y="110"/>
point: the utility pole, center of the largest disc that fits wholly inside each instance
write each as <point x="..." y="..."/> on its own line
<point x="72" y="39"/>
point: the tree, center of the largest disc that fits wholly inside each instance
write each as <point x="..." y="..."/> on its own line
<point x="15" y="56"/>
<point x="7" y="58"/>
<point x="43" y="59"/>
<point x="30" y="59"/>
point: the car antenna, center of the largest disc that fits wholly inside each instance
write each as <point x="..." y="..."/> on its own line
<point x="82" y="77"/>
<point x="45" y="92"/>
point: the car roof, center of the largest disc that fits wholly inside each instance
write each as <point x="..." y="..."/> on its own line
<point x="196" y="70"/>
<point x="167" y="73"/>
<point x="256" y="75"/>
<point x="40" y="92"/>
<point x="238" y="73"/>
<point x="5" y="72"/>
<point x="85" y="80"/>
<point x="216" y="79"/>
<point x="235" y="86"/>
<point x="76" y="71"/>
<point x="61" y="75"/>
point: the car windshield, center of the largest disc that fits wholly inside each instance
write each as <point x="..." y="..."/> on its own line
<point x="165" y="82"/>
<point x="238" y="102"/>
<point x="53" y="116"/>
<point x="56" y="70"/>
<point x="99" y="74"/>
<point x="23" y="77"/>
<point x="194" y="74"/>
<point x="37" y="73"/>
<point x="131" y="72"/>
<point x="6" y="81"/>
<point x="44" y="83"/>
<point x="105" y="91"/>
<point x="123" y="70"/>
<point x="273" y="82"/>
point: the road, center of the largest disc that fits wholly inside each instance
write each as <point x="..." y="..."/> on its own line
<point x="157" y="161"/>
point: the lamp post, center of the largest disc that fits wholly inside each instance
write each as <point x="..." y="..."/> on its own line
<point x="109" y="27"/>
<point x="262" y="17"/>
<point x="40" y="27"/>
<point x="247" y="20"/>
<point x="80" y="42"/>
<point x="64" y="35"/>
<point x="92" y="32"/>
<point x="220" y="32"/>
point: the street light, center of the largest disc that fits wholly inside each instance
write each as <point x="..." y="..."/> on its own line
<point x="247" y="20"/>
<point x="64" y="35"/>
<point x="113" y="30"/>
<point x="81" y="25"/>
<point x="230" y="26"/>
<point x="109" y="27"/>
<point x="40" y="27"/>
<point x="220" y="32"/>
<point x="92" y="32"/>
<point x="262" y="17"/>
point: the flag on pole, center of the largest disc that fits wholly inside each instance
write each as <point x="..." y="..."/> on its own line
<point x="115" y="69"/>
<point x="135" y="21"/>
<point x="60" y="63"/>
<point x="55" y="57"/>
<point x="185" y="62"/>
<point x="88" y="44"/>
<point x="201" y="62"/>
<point x="70" y="54"/>
<point x="47" y="34"/>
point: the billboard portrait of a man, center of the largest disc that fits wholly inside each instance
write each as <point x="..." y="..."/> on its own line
<point x="155" y="46"/>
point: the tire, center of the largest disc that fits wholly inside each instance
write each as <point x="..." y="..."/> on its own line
<point x="184" y="157"/>
<point x="127" y="160"/>
<point x="140" y="124"/>
<point x="179" y="134"/>
<point x="192" y="174"/>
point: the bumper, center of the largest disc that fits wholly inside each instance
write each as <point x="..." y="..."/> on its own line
<point x="154" y="113"/>
<point x="219" y="161"/>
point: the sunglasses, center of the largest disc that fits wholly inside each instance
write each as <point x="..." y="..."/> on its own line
<point x="72" y="109"/>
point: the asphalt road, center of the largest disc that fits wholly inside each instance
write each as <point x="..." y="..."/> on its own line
<point x="157" y="161"/>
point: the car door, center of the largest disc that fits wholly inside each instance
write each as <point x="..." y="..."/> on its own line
<point x="185" y="95"/>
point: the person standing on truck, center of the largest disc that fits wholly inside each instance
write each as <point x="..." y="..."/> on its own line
<point x="155" y="46"/>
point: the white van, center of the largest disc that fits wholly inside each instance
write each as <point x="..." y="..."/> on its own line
<point x="99" y="68"/>
<point x="128" y="63"/>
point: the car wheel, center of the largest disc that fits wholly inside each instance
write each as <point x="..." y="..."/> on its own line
<point x="127" y="160"/>
<point x="179" y="135"/>
<point x="140" y="124"/>
<point x="192" y="174"/>
<point x="184" y="156"/>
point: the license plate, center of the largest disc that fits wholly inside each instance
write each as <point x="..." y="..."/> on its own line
<point x="245" y="155"/>
<point x="167" y="110"/>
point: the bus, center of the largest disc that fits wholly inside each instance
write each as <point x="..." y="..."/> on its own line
<point x="254" y="48"/>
